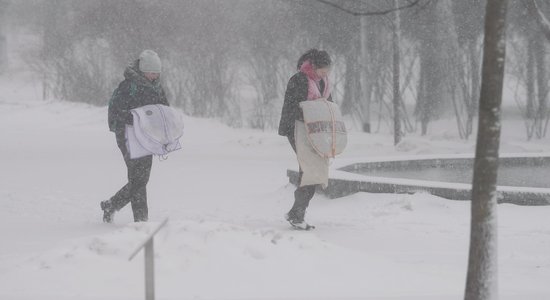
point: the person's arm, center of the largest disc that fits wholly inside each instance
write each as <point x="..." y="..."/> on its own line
<point x="119" y="110"/>
<point x="329" y="98"/>
<point x="163" y="98"/>
<point x="296" y="92"/>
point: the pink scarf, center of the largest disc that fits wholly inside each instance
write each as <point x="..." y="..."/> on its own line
<point x="313" y="90"/>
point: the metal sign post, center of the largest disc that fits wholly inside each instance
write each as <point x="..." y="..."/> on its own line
<point x="149" y="255"/>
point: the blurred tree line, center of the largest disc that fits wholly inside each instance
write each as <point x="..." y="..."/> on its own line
<point x="231" y="60"/>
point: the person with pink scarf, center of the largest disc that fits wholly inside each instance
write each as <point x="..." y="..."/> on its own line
<point x="309" y="83"/>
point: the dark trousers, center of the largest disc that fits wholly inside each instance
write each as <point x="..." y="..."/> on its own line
<point x="302" y="195"/>
<point x="135" y="191"/>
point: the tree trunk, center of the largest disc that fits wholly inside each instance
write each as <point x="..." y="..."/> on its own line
<point x="396" y="78"/>
<point x="543" y="22"/>
<point x="474" y="94"/>
<point x="530" y="79"/>
<point x="482" y="279"/>
<point x="363" y="76"/>
<point x="542" y="87"/>
<point x="3" y="40"/>
<point x="432" y="65"/>
<point x="352" y="91"/>
<point x="421" y="105"/>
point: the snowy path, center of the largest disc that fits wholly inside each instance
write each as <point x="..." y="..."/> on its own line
<point x="225" y="194"/>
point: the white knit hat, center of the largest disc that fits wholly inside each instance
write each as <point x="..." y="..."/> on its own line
<point x="149" y="61"/>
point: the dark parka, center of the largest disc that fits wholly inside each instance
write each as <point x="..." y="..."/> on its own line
<point x="135" y="91"/>
<point x="296" y="92"/>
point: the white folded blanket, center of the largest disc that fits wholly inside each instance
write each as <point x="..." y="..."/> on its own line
<point x="157" y="129"/>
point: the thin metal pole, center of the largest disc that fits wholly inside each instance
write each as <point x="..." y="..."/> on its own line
<point x="149" y="254"/>
<point x="150" y="270"/>
<point x="148" y="238"/>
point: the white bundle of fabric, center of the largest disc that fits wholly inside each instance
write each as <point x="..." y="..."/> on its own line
<point x="157" y="129"/>
<point x="320" y="137"/>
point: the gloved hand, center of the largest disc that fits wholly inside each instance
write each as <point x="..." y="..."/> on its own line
<point x="127" y="117"/>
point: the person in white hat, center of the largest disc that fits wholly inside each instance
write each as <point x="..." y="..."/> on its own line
<point x="140" y="87"/>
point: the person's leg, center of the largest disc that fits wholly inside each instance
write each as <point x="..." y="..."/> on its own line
<point x="139" y="196"/>
<point x="139" y="206"/>
<point x="135" y="190"/>
<point x="123" y="196"/>
<point x="302" y="195"/>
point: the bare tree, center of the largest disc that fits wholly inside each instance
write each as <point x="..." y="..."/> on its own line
<point x="543" y="22"/>
<point x="266" y="59"/>
<point x="528" y="67"/>
<point x="397" y="133"/>
<point x="437" y="50"/>
<point x="538" y="110"/>
<point x="206" y="44"/>
<point x="482" y="279"/>
<point x="54" y="43"/>
<point x="468" y="16"/>
<point x="364" y="94"/>
<point x="3" y="41"/>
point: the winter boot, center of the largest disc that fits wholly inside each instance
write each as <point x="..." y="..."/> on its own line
<point x="296" y="220"/>
<point x="108" y="211"/>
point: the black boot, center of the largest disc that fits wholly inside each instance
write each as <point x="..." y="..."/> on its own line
<point x="295" y="215"/>
<point x="296" y="219"/>
<point x="108" y="211"/>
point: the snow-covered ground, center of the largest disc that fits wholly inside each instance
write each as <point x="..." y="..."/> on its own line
<point x="225" y="194"/>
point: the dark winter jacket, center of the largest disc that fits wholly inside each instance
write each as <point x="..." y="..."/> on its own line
<point x="296" y="92"/>
<point x="135" y="91"/>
